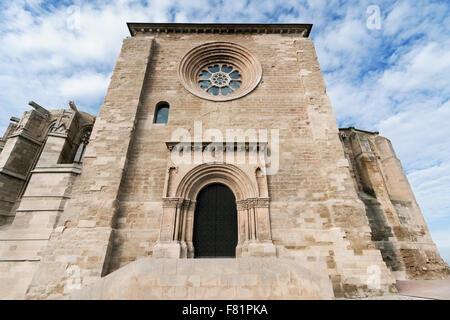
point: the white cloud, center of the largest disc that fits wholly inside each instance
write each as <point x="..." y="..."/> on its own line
<point x="418" y="70"/>
<point x="42" y="58"/>
<point x="85" y="86"/>
<point x="442" y="239"/>
<point x="432" y="189"/>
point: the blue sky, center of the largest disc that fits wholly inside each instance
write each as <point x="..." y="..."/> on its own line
<point x="395" y="79"/>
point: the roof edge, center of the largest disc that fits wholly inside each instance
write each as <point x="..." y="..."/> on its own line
<point x="227" y="28"/>
<point x="360" y="130"/>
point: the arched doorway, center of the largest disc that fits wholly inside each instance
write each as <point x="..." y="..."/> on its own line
<point x="215" y="223"/>
<point x="249" y="199"/>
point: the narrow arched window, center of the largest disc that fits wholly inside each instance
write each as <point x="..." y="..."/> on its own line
<point x="161" y="113"/>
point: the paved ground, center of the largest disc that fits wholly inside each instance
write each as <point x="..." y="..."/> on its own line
<point x="396" y="297"/>
<point x="418" y="290"/>
<point x="431" y="289"/>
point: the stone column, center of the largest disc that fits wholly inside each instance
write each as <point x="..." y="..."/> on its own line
<point x="190" y="229"/>
<point x="263" y="220"/>
<point x="243" y="234"/>
<point x="168" y="245"/>
<point x="185" y="212"/>
<point x="254" y="236"/>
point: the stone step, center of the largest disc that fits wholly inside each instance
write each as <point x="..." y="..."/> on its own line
<point x="243" y="278"/>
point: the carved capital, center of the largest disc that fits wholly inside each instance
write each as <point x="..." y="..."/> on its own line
<point x="262" y="203"/>
<point x="241" y="205"/>
<point x="252" y="203"/>
<point x="188" y="204"/>
<point x="173" y="202"/>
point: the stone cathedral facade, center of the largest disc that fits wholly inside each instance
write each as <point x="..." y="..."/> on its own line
<point x="137" y="202"/>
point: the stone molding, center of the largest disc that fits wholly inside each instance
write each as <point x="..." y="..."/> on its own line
<point x="13" y="174"/>
<point x="227" y="28"/>
<point x="202" y="145"/>
<point x="238" y="181"/>
<point x="60" y="168"/>
<point x="22" y="134"/>
<point x="253" y="203"/>
<point x="173" y="202"/>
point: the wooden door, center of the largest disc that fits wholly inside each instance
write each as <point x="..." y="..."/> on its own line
<point x="215" y="223"/>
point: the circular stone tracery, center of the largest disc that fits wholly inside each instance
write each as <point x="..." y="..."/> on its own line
<point x="220" y="79"/>
<point x="219" y="71"/>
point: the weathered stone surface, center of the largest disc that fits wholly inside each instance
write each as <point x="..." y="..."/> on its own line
<point x="338" y="219"/>
<point x="398" y="228"/>
<point x="91" y="212"/>
<point x="43" y="193"/>
<point x="244" y="278"/>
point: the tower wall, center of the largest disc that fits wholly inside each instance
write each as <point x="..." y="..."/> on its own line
<point x="114" y="216"/>
<point x="80" y="246"/>
<point x="398" y="226"/>
<point x="22" y="144"/>
<point x="44" y="191"/>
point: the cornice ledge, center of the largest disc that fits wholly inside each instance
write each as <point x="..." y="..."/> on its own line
<point x="136" y="28"/>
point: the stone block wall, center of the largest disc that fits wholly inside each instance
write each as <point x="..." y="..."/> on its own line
<point x="397" y="225"/>
<point x="83" y="236"/>
<point x="328" y="209"/>
<point x="21" y="148"/>
<point x="45" y="188"/>
<point x="313" y="175"/>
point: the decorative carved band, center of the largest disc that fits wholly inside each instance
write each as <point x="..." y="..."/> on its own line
<point x="204" y="145"/>
<point x="252" y="203"/>
<point x="242" y="28"/>
<point x="241" y="204"/>
<point x="178" y="203"/>
<point x="173" y="202"/>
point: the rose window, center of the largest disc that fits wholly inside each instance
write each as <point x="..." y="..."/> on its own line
<point x="220" y="79"/>
<point x="219" y="71"/>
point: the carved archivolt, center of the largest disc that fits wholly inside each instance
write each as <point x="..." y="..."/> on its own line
<point x="230" y="175"/>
